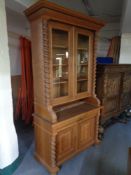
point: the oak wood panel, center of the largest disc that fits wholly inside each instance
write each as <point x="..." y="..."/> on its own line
<point x="112" y="85"/>
<point x="86" y="131"/>
<point x="66" y="142"/>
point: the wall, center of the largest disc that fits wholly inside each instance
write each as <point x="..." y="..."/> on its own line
<point x="126" y="18"/>
<point x="125" y="52"/>
<point x="73" y="4"/>
<point x="17" y="25"/>
<point x="104" y="36"/>
<point x="8" y="138"/>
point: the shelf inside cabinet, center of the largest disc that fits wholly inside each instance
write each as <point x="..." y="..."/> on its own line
<point x="60" y="81"/>
<point x="60" y="46"/>
<point x="56" y="65"/>
<point x="82" y="48"/>
<point x="82" y="79"/>
<point x="72" y="110"/>
<point x="83" y="64"/>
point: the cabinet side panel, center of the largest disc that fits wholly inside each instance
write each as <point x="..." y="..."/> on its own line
<point x="39" y="55"/>
<point x="42" y="143"/>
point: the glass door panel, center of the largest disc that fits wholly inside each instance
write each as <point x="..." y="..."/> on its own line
<point x="82" y="63"/>
<point x="60" y="54"/>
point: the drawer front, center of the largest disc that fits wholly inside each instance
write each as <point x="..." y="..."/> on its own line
<point x="112" y="85"/>
<point x="86" y="132"/>
<point x="66" y="142"/>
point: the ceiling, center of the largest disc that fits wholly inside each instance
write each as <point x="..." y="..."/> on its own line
<point x="108" y="10"/>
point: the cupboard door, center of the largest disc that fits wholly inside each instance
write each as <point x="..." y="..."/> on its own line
<point x="61" y="61"/>
<point x="66" y="143"/>
<point x="83" y="62"/>
<point x="86" y="130"/>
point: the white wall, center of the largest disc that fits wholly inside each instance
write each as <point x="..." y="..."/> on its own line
<point x="126" y="18"/>
<point x="8" y="138"/>
<point x="125" y="53"/>
<point x="17" y="25"/>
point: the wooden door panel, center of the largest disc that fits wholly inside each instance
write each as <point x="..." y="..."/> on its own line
<point x="112" y="85"/>
<point x="66" y="142"/>
<point x="127" y="83"/>
<point x="86" y="129"/>
<point x="111" y="105"/>
<point x="125" y="100"/>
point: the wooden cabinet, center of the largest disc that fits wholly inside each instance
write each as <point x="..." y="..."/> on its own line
<point x="113" y="89"/>
<point x="66" y="108"/>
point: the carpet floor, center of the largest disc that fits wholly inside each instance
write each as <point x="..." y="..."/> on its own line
<point x="108" y="158"/>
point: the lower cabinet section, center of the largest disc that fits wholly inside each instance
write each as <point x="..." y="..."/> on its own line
<point x="56" y="143"/>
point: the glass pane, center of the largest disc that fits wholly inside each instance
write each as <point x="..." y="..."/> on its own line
<point x="60" y="62"/>
<point x="82" y="63"/>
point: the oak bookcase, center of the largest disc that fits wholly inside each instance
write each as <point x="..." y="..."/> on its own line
<point x="67" y="111"/>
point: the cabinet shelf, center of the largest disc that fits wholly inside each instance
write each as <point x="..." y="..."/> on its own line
<point x="60" y="46"/>
<point x="83" y="64"/>
<point x="82" y="48"/>
<point x="60" y="82"/>
<point x="82" y="79"/>
<point x="56" y="65"/>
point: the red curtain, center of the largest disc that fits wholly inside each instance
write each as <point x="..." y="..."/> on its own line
<point x="24" y="107"/>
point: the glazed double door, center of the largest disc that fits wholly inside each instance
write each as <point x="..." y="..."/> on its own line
<point x="71" y="57"/>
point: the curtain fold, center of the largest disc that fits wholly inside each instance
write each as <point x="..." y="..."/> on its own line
<point x="114" y="49"/>
<point x="24" y="107"/>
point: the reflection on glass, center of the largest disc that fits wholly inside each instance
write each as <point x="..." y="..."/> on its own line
<point x="82" y="63"/>
<point x="60" y="62"/>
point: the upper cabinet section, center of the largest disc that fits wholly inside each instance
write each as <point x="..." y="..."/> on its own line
<point x="63" y="54"/>
<point x="71" y="58"/>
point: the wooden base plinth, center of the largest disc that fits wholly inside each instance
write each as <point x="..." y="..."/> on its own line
<point x="52" y="170"/>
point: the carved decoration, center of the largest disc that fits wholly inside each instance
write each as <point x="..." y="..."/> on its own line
<point x="46" y="62"/>
<point x="112" y="85"/>
<point x="110" y="106"/>
<point x="53" y="151"/>
<point x="94" y="66"/>
<point x="127" y="84"/>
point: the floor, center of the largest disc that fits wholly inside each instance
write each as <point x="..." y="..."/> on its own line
<point x="108" y="158"/>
